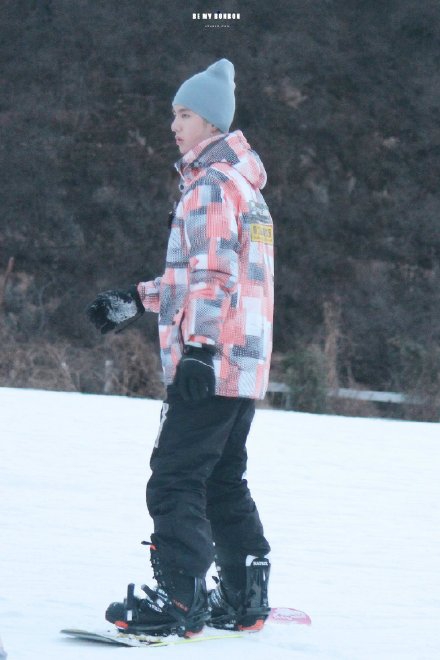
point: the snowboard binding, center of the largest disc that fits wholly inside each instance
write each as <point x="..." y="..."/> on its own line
<point x="157" y="614"/>
<point x="241" y="609"/>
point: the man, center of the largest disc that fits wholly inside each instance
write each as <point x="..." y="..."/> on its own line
<point x="215" y="305"/>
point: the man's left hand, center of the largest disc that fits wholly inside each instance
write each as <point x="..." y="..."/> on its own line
<point x="195" y="377"/>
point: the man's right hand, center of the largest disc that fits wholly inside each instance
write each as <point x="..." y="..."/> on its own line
<point x="111" y="309"/>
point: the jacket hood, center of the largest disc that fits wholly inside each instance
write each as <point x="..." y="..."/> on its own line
<point x="232" y="148"/>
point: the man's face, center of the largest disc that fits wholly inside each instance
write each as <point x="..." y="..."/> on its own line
<point x="189" y="128"/>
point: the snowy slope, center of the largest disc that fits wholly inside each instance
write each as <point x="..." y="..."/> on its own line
<point x="351" y="507"/>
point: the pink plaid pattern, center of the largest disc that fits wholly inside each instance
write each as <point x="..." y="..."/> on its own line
<point x="218" y="283"/>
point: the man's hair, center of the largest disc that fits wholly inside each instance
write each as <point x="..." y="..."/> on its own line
<point x="208" y="122"/>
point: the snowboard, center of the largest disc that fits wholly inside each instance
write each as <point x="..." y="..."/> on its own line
<point x="278" y="615"/>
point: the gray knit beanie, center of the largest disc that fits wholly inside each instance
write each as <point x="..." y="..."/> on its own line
<point x="210" y="94"/>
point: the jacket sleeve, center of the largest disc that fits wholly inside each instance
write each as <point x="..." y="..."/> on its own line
<point x="149" y="294"/>
<point x="211" y="234"/>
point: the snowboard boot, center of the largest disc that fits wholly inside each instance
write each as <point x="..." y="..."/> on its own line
<point x="177" y="606"/>
<point x="240" y="602"/>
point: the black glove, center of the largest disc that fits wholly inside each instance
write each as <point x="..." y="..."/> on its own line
<point x="195" y="377"/>
<point x="112" y="309"/>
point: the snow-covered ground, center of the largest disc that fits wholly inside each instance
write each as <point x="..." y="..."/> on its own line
<point x="351" y="507"/>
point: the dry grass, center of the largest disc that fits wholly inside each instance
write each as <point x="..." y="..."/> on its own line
<point x="124" y="364"/>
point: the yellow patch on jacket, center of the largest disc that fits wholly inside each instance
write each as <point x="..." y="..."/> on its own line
<point x="262" y="233"/>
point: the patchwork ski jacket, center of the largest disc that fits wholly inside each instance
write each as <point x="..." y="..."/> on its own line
<point x="217" y="287"/>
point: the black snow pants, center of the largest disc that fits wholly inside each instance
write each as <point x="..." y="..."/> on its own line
<point x="197" y="493"/>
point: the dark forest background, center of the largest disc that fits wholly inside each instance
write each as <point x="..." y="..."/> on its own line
<point x="341" y="100"/>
